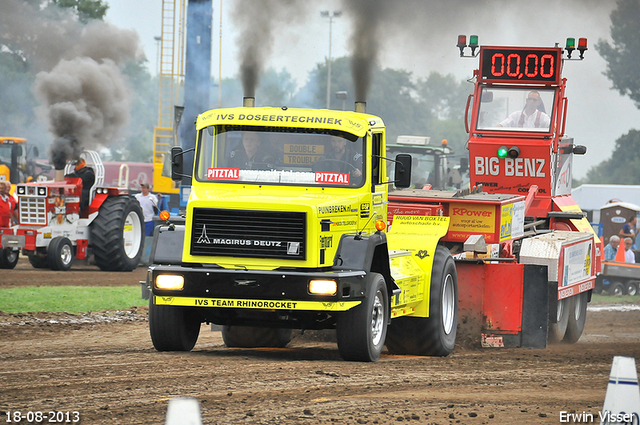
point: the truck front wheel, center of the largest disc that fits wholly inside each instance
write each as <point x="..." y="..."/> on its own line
<point x="559" y="328"/>
<point x="434" y="335"/>
<point x="172" y="328"/>
<point x="251" y="337"/>
<point x="361" y="331"/>
<point x="577" y="318"/>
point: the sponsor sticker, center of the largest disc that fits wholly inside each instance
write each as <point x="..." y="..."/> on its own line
<point x="223" y="173"/>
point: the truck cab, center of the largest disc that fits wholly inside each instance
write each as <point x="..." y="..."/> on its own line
<point x="284" y="230"/>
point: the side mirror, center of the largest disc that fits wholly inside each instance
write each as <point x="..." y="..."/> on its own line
<point x="402" y="175"/>
<point x="177" y="163"/>
<point x="36" y="151"/>
<point x="579" y="150"/>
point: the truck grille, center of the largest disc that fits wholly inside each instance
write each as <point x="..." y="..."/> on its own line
<point x="255" y="234"/>
<point x="33" y="210"/>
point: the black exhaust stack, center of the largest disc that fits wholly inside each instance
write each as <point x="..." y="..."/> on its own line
<point x="249" y="102"/>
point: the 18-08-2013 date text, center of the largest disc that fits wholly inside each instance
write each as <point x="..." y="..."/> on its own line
<point x="37" y="417"/>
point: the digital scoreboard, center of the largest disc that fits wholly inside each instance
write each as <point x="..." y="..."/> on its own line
<point x="520" y="65"/>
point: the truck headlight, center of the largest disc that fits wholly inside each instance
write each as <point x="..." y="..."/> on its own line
<point x="323" y="287"/>
<point x="170" y="282"/>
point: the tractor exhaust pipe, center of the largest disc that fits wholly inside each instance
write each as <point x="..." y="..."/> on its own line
<point x="249" y="102"/>
<point x="361" y="107"/>
<point x="59" y="176"/>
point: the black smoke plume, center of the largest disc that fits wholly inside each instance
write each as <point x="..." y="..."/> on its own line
<point x="84" y="96"/>
<point x="258" y="21"/>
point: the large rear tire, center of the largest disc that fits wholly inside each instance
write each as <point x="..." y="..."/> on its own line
<point x="557" y="330"/>
<point x="251" y="337"/>
<point x="361" y="331"/>
<point x="577" y="318"/>
<point x="60" y="254"/>
<point x="631" y="288"/>
<point x="173" y="328"/>
<point x="9" y="258"/>
<point x="117" y="234"/>
<point x="434" y="335"/>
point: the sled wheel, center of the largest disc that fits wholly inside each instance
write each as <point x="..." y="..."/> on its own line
<point x="616" y="289"/>
<point x="577" y="318"/>
<point x="38" y="261"/>
<point x="172" y="328"/>
<point x="558" y="329"/>
<point x="251" y="337"/>
<point x="361" y="330"/>
<point x="117" y="234"/>
<point x="60" y="254"/>
<point x="9" y="258"/>
<point x="631" y="288"/>
<point x="434" y="335"/>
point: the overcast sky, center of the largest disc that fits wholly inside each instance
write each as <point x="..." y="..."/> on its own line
<point x="426" y="42"/>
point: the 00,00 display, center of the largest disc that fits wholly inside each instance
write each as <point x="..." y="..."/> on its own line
<point x="520" y="65"/>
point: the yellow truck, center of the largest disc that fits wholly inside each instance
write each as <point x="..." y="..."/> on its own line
<point x="285" y="228"/>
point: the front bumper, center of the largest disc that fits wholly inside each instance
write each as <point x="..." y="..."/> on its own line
<point x="282" y="290"/>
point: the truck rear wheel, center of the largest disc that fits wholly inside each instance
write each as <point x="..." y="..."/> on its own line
<point x="577" y="318"/>
<point x="117" y="234"/>
<point x="361" y="331"/>
<point x="60" y="254"/>
<point x="434" y="335"/>
<point x="8" y="258"/>
<point x="631" y="288"/>
<point x="251" y="337"/>
<point x="558" y="329"/>
<point x="616" y="289"/>
<point x="172" y="328"/>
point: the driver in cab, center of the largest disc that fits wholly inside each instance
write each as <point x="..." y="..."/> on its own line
<point x="533" y="114"/>
<point x="251" y="155"/>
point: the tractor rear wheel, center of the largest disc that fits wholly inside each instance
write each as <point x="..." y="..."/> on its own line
<point x="173" y="328"/>
<point x="558" y="329"/>
<point x="117" y="234"/>
<point x="577" y="318"/>
<point x="434" y="335"/>
<point x="60" y="254"/>
<point x="251" y="337"/>
<point x="361" y="331"/>
<point x="8" y="258"/>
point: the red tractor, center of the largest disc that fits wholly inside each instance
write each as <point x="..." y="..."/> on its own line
<point x="57" y="225"/>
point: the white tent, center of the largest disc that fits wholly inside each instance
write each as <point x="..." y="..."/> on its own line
<point x="592" y="197"/>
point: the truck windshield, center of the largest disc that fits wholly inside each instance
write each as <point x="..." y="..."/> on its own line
<point x="298" y="156"/>
<point x="516" y="109"/>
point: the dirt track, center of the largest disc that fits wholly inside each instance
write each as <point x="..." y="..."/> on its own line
<point x="104" y="367"/>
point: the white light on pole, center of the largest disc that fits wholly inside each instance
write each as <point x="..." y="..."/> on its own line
<point x="158" y="39"/>
<point x="331" y="16"/>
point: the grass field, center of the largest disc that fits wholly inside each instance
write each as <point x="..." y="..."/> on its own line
<point x="608" y="299"/>
<point x="70" y="299"/>
<point x="81" y="299"/>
